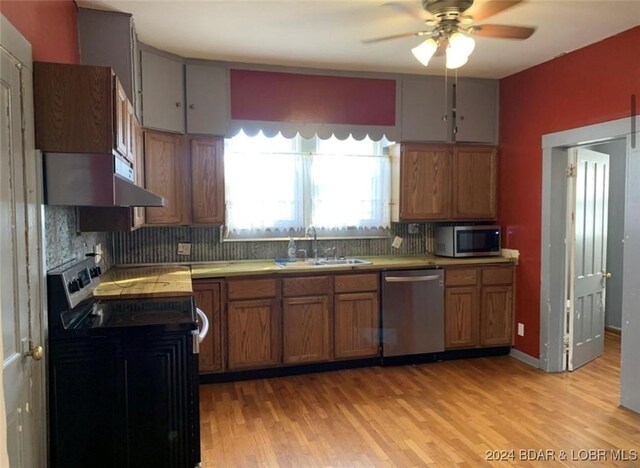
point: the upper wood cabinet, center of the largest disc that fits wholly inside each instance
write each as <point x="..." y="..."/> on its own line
<point x="162" y="91"/>
<point x="425" y="111"/>
<point x="432" y="182"/>
<point x="424" y="182"/>
<point x="108" y="38"/>
<point x="476" y="111"/>
<point x="208" y="299"/>
<point x="189" y="174"/>
<point x="207" y="102"/>
<point x="79" y="109"/>
<point x="207" y="181"/>
<point x="475" y="172"/>
<point x="167" y="174"/>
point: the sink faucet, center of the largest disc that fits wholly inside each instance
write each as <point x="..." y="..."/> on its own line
<point x="314" y="246"/>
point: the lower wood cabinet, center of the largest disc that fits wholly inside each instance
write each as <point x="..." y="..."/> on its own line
<point x="207" y="295"/>
<point x="253" y="329"/>
<point x="306" y="329"/>
<point x="253" y="321"/>
<point x="356" y="325"/>
<point x="479" y="307"/>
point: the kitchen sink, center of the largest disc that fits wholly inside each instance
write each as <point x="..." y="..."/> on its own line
<point x="319" y="262"/>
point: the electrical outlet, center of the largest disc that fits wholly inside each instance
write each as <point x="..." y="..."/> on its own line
<point x="184" y="248"/>
<point x="413" y="228"/>
<point x="520" y="329"/>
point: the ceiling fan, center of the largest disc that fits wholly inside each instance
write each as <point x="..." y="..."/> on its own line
<point x="450" y="25"/>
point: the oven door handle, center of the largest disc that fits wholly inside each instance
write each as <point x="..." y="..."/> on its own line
<point x="205" y="325"/>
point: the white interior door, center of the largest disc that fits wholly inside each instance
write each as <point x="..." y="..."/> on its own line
<point x="589" y="194"/>
<point x="20" y="266"/>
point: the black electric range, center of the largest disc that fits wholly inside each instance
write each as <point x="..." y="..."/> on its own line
<point x="123" y="376"/>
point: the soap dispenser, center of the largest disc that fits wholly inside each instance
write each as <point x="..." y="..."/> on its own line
<point x="291" y="251"/>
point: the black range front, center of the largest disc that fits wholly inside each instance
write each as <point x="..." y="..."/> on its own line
<point x="123" y="378"/>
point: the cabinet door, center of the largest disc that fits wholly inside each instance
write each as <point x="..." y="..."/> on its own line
<point x="305" y="322"/>
<point x="122" y="125"/>
<point x="207" y="297"/>
<point x="474" y="182"/>
<point x="166" y="174"/>
<point x="206" y="99"/>
<point x="253" y="338"/>
<point x="425" y="189"/>
<point x="137" y="152"/>
<point x="477" y="110"/>
<point x="462" y="313"/>
<point x="162" y="92"/>
<point x="424" y="110"/>
<point x="496" y="321"/>
<point x="356" y="325"/>
<point x="207" y="181"/>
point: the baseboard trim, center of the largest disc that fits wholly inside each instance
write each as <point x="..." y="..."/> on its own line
<point x="613" y="330"/>
<point x="524" y="357"/>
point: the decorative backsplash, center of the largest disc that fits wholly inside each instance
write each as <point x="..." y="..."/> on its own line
<point x="62" y="241"/>
<point x="160" y="245"/>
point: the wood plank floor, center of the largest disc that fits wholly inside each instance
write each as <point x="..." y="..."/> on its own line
<point x="440" y="414"/>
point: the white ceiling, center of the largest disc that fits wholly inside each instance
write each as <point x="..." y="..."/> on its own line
<point x="328" y="34"/>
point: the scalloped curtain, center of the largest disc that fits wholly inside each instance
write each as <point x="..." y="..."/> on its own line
<point x="276" y="187"/>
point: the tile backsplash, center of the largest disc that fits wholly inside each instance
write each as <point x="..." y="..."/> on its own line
<point x="62" y="241"/>
<point x="160" y="245"/>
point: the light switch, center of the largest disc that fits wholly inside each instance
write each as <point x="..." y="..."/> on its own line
<point x="520" y="329"/>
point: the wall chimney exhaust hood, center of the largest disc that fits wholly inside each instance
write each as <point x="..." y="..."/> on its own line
<point x="93" y="179"/>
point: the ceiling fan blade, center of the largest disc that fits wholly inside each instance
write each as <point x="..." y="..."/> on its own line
<point x="490" y="8"/>
<point x="388" y="38"/>
<point x="412" y="9"/>
<point x="503" y="31"/>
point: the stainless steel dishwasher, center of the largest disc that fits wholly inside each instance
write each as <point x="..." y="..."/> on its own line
<point x="412" y="312"/>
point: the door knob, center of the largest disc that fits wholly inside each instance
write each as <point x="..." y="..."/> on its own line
<point x="607" y="275"/>
<point x="36" y="353"/>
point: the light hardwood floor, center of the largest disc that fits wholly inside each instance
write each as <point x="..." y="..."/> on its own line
<point x="440" y="414"/>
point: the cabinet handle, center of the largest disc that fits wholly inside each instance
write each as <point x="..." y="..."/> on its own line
<point x="178" y="104"/>
<point x="192" y="106"/>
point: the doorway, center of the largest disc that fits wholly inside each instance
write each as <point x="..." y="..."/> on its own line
<point x="553" y="290"/>
<point x="595" y="226"/>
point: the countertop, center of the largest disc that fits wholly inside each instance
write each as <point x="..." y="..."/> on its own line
<point x="268" y="267"/>
<point x="145" y="282"/>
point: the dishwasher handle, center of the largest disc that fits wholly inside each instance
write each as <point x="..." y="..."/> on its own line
<point x="411" y="279"/>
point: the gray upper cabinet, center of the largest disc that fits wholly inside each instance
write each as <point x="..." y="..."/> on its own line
<point x="162" y="91"/>
<point x="108" y="39"/>
<point x="207" y="102"/>
<point x="477" y="111"/>
<point x="423" y="109"/>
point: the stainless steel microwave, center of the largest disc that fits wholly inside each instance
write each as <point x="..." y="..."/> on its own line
<point x="467" y="241"/>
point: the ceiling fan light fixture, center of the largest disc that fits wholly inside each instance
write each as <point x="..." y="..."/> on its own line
<point x="424" y="51"/>
<point x="462" y="44"/>
<point x="455" y="59"/>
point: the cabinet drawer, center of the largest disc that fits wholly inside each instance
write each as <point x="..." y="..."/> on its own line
<point x="356" y="283"/>
<point x="306" y="286"/>
<point x="251" y="289"/>
<point x="461" y="277"/>
<point x="497" y="275"/>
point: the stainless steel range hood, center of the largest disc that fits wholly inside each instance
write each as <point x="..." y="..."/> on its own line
<point x="91" y="179"/>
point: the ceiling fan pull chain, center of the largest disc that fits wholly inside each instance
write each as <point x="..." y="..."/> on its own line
<point x="446" y="91"/>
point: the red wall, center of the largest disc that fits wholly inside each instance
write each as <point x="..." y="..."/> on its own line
<point x="49" y="25"/>
<point x="294" y="97"/>
<point x="588" y="86"/>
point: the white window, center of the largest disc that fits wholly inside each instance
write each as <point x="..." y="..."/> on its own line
<point x="277" y="187"/>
